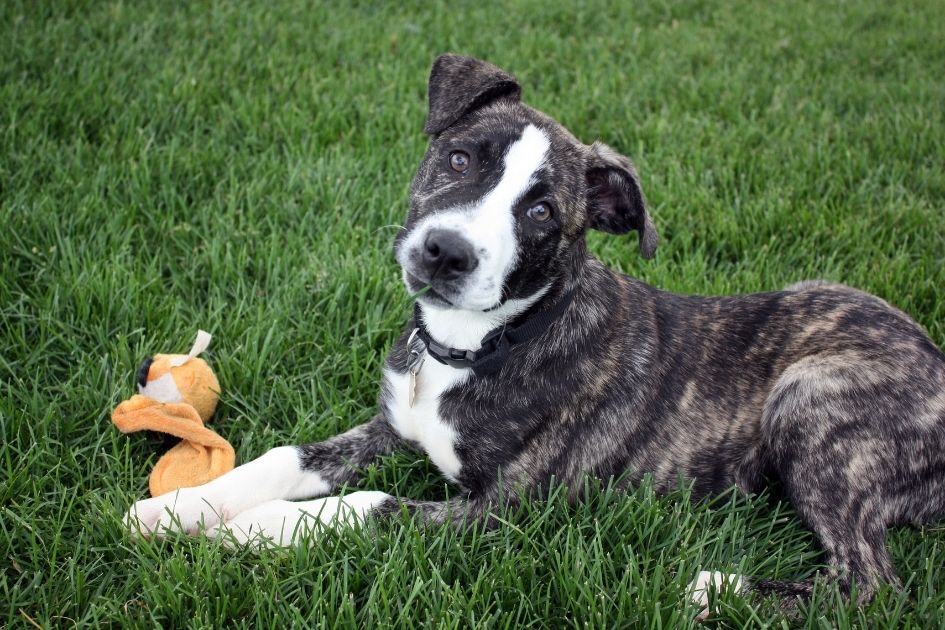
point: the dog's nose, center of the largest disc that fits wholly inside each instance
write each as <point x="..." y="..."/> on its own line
<point x="447" y="255"/>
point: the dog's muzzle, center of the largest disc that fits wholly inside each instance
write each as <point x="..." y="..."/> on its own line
<point x="444" y="260"/>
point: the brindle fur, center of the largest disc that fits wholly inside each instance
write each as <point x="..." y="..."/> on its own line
<point x="828" y="390"/>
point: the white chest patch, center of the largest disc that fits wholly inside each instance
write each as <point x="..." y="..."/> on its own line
<point x="422" y="422"/>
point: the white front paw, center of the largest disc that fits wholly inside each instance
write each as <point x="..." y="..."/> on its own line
<point x="276" y="522"/>
<point x="283" y="523"/>
<point x="182" y="510"/>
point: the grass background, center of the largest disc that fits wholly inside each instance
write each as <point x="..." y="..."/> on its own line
<point x="237" y="166"/>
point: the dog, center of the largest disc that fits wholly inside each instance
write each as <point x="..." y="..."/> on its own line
<point x="528" y="360"/>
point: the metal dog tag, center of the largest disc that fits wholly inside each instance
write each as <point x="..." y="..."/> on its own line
<point x="416" y="352"/>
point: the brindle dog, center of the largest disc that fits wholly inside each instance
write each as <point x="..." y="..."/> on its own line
<point x="528" y="359"/>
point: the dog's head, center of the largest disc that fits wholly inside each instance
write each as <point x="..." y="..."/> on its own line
<point x="504" y="195"/>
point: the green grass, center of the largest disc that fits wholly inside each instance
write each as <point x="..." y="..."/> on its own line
<point x="237" y="167"/>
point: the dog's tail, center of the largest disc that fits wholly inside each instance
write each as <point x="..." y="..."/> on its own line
<point x="789" y="593"/>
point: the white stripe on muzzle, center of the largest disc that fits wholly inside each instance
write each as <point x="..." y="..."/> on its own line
<point x="489" y="224"/>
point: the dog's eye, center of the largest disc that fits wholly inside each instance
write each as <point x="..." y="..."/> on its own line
<point x="459" y="161"/>
<point x="540" y="212"/>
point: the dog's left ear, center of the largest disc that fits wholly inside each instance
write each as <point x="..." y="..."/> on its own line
<point x="615" y="201"/>
<point x="461" y="84"/>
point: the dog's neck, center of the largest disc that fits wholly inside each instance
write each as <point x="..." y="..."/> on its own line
<point x="460" y="328"/>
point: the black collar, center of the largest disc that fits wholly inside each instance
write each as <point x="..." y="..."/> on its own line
<point x="496" y="344"/>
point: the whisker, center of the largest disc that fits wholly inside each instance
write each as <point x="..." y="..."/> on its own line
<point x="392" y="225"/>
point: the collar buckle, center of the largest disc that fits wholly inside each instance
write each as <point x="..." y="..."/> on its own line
<point x="462" y="356"/>
<point x="495" y="350"/>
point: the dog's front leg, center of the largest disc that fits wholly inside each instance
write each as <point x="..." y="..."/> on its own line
<point x="283" y="473"/>
<point x="284" y="523"/>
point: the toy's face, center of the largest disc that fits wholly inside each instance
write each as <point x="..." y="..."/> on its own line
<point x="155" y="380"/>
<point x="176" y="378"/>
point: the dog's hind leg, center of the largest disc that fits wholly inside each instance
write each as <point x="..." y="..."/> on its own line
<point x="857" y="558"/>
<point x="839" y="432"/>
<point x="832" y="432"/>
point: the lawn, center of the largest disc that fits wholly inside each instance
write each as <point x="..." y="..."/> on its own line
<point x="238" y="167"/>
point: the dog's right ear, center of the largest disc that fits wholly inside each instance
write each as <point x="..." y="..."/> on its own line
<point x="458" y="85"/>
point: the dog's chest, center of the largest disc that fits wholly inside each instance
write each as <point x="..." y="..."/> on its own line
<point x="421" y="422"/>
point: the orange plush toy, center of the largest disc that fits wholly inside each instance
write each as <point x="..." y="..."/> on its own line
<point x="177" y="394"/>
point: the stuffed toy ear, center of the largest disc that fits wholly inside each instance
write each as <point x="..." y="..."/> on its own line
<point x="615" y="201"/>
<point x="201" y="456"/>
<point x="458" y="85"/>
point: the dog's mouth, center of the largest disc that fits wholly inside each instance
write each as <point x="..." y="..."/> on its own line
<point x="425" y="292"/>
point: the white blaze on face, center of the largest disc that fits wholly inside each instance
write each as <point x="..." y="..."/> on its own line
<point x="488" y="224"/>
